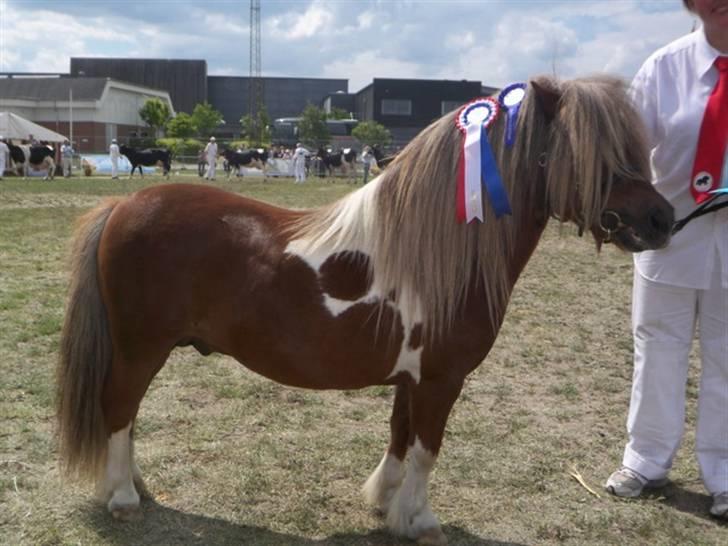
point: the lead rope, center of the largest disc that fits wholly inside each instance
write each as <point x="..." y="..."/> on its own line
<point x="704" y="208"/>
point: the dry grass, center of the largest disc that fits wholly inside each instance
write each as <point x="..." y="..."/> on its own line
<point x="231" y="458"/>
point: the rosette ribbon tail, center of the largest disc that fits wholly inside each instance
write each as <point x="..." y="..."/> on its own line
<point x="473" y="160"/>
<point x="491" y="177"/>
<point x="460" y="189"/>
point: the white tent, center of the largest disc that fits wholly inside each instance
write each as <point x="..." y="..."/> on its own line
<point x="15" y="127"/>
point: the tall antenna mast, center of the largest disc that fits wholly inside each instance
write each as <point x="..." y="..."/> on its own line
<point x="255" y="79"/>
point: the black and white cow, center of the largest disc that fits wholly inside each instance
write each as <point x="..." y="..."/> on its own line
<point x="39" y="156"/>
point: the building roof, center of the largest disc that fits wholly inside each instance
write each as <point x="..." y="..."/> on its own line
<point x="58" y="88"/>
<point x="45" y="89"/>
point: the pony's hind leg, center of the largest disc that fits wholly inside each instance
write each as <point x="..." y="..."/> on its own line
<point x="121" y="483"/>
<point x="381" y="486"/>
<point x="409" y="512"/>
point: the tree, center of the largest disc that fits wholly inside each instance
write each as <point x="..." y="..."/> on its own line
<point x="181" y="126"/>
<point x="372" y="133"/>
<point x="312" y="129"/>
<point x="339" y="113"/>
<point x="257" y="131"/>
<point x="155" y="113"/>
<point x="206" y="118"/>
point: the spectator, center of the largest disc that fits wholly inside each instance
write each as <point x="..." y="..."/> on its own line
<point x="682" y="93"/>
<point x="114" y="155"/>
<point x="67" y="152"/>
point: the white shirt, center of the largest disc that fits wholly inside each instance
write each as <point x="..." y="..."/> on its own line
<point x="300" y="154"/>
<point x="4" y="152"/>
<point x="670" y="91"/>
<point x="211" y="151"/>
<point x="114" y="151"/>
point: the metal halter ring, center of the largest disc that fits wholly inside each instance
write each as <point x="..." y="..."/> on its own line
<point x="542" y="159"/>
<point x="610" y="230"/>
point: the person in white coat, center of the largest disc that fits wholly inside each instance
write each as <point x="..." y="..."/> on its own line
<point x="4" y="156"/>
<point x="211" y="155"/>
<point x="114" y="155"/>
<point x="686" y="283"/>
<point x="299" y="163"/>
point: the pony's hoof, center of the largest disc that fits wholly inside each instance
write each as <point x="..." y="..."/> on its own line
<point x="432" y="537"/>
<point x="127" y="513"/>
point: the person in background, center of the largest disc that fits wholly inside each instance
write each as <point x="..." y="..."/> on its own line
<point x="681" y="91"/>
<point x="33" y="141"/>
<point x="114" y="155"/>
<point x="299" y="163"/>
<point x="211" y="156"/>
<point x="4" y="156"/>
<point x="369" y="162"/>
<point x="67" y="152"/>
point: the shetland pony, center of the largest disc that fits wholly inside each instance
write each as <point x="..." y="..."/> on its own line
<point x="383" y="286"/>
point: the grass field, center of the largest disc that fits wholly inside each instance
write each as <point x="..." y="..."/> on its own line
<point x="231" y="458"/>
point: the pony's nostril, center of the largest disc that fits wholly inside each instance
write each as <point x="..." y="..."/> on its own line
<point x="660" y="220"/>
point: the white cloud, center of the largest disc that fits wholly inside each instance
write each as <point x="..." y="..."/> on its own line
<point x="364" y="66"/>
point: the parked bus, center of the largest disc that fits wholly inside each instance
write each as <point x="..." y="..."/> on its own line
<point x="285" y="132"/>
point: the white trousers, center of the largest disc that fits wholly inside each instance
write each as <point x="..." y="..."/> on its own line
<point x="66" y="164"/>
<point x="299" y="171"/>
<point x="2" y="165"/>
<point x="664" y="319"/>
<point x="114" y="167"/>
<point x="211" y="164"/>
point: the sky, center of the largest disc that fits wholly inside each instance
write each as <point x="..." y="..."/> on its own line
<point x="495" y="42"/>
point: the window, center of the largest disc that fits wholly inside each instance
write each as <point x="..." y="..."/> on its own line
<point x="449" y="105"/>
<point x="396" y="107"/>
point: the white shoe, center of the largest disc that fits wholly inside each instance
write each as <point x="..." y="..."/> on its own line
<point x="720" y="505"/>
<point x="628" y="483"/>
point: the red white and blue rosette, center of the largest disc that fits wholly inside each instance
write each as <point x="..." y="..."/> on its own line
<point x="510" y="100"/>
<point x="477" y="166"/>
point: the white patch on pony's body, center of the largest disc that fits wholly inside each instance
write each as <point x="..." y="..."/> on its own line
<point x="409" y="513"/>
<point x="380" y="487"/>
<point x="358" y="215"/>
<point x="117" y="484"/>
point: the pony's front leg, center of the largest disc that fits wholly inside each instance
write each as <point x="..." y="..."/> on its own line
<point x="409" y="512"/>
<point x="383" y="483"/>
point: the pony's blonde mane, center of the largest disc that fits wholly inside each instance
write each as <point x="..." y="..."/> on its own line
<point x="407" y="224"/>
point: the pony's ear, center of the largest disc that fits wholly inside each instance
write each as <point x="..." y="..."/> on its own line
<point x="548" y="99"/>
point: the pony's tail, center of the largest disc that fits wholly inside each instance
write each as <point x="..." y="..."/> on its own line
<point x="85" y="355"/>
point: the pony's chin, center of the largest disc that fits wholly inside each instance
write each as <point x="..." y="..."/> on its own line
<point x="631" y="241"/>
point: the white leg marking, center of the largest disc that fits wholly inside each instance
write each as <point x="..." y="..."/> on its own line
<point x="118" y="481"/>
<point x="409" y="514"/>
<point x="384" y="481"/>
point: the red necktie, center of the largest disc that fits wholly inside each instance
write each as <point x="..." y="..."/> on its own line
<point x="713" y="138"/>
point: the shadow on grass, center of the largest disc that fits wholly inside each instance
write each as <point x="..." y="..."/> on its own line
<point x="166" y="526"/>
<point x="690" y="502"/>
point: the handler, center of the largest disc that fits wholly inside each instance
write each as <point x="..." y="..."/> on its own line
<point x="211" y="154"/>
<point x="114" y="155"/>
<point x="4" y="154"/>
<point x="299" y="163"/>
<point x="66" y="158"/>
<point x="681" y="92"/>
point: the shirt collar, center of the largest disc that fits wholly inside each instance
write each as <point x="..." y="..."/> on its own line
<point x="706" y="53"/>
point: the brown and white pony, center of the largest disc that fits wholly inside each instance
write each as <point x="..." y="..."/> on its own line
<point x="383" y="287"/>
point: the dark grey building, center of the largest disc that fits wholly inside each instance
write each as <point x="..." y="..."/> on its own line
<point x="406" y="107"/>
<point x="283" y="97"/>
<point x="185" y="80"/>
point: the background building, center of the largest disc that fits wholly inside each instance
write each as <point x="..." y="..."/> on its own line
<point x="185" y="80"/>
<point x="406" y="107"/>
<point x="90" y="110"/>
<point x="283" y="97"/>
